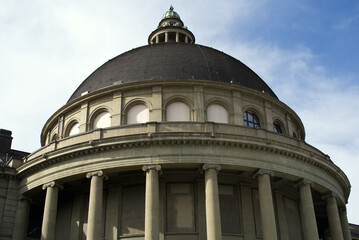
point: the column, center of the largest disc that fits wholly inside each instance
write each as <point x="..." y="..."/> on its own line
<point x="157" y="39"/>
<point x="213" y="217"/>
<point x="266" y="204"/>
<point x="94" y="221"/>
<point x="20" y="226"/>
<point x="152" y="202"/>
<point x="309" y="221"/>
<point x="344" y="223"/>
<point x="50" y="210"/>
<point x="166" y="36"/>
<point x="333" y="217"/>
<point x="186" y="39"/>
<point x="177" y="37"/>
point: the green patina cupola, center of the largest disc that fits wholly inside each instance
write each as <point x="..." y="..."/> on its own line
<point x="171" y="29"/>
<point x="171" y="14"/>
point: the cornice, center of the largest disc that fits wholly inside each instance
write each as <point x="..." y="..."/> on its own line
<point x="205" y="138"/>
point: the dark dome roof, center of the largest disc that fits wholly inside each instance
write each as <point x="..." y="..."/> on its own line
<point x="172" y="61"/>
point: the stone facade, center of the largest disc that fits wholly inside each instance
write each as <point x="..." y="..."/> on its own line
<point x="174" y="158"/>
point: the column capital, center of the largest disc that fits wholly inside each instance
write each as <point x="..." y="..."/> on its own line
<point x="52" y="184"/>
<point x="98" y="173"/>
<point x="216" y="167"/>
<point x="147" y="168"/>
<point x="303" y="182"/>
<point x="261" y="172"/>
<point x="330" y="194"/>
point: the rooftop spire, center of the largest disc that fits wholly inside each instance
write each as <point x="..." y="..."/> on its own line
<point x="171" y="29"/>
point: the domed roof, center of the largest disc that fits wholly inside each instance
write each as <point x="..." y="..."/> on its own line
<point x="171" y="14"/>
<point x="172" y="61"/>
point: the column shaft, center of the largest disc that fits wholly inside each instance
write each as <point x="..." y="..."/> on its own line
<point x="94" y="222"/>
<point x="152" y="202"/>
<point x="50" y="211"/>
<point x="266" y="207"/>
<point x="333" y="218"/>
<point x="166" y="36"/>
<point x="345" y="224"/>
<point x="21" y="219"/>
<point x="213" y="217"/>
<point x="309" y="221"/>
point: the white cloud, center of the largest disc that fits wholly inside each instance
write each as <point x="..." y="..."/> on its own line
<point x="49" y="48"/>
<point x="326" y="103"/>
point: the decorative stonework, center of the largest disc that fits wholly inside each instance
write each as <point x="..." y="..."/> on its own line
<point x="261" y="172"/>
<point x="330" y="195"/>
<point x="147" y="168"/>
<point x="52" y="184"/>
<point x="304" y="182"/>
<point x="216" y="167"/>
<point x="99" y="173"/>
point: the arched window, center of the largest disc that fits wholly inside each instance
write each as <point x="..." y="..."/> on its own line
<point x="217" y="113"/>
<point x="277" y="127"/>
<point x="102" y="120"/>
<point x="54" y="137"/>
<point x="74" y="129"/>
<point x="295" y="135"/>
<point x="177" y="111"/>
<point x="138" y="114"/>
<point x="251" y="120"/>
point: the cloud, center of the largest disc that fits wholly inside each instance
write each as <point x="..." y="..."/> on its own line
<point x="48" y="49"/>
<point x="346" y="23"/>
<point x="325" y="102"/>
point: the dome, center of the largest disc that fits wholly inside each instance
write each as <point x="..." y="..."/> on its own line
<point x="170" y="14"/>
<point x="172" y="61"/>
<point x="175" y="141"/>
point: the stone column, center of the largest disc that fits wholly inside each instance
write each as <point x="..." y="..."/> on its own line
<point x="344" y="223"/>
<point x="22" y="211"/>
<point x="333" y="217"/>
<point x="166" y="36"/>
<point x="50" y="210"/>
<point x="94" y="221"/>
<point x="177" y="37"/>
<point x="157" y="39"/>
<point x="152" y="209"/>
<point x="309" y="221"/>
<point x="213" y="216"/>
<point x="186" y="39"/>
<point x="266" y="205"/>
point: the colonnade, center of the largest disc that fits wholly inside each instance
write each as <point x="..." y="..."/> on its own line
<point x="337" y="219"/>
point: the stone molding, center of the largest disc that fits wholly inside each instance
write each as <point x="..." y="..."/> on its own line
<point x="304" y="182"/>
<point x="52" y="184"/>
<point x="330" y="194"/>
<point x="98" y="173"/>
<point x="216" y="167"/>
<point x="261" y="172"/>
<point x="297" y="153"/>
<point x="147" y="168"/>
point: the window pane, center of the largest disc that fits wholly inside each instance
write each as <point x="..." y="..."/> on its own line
<point x="277" y="128"/>
<point x="251" y="120"/>
<point x="180" y="208"/>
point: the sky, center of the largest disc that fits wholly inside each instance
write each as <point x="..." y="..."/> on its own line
<point x="306" y="51"/>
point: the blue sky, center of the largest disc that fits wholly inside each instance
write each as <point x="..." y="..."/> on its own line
<point x="307" y="52"/>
